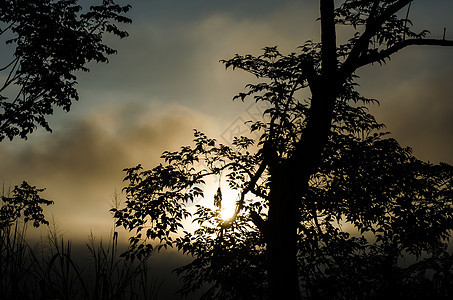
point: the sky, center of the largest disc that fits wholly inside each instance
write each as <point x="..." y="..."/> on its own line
<point x="166" y="80"/>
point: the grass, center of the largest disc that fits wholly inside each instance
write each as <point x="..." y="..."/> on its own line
<point x="49" y="269"/>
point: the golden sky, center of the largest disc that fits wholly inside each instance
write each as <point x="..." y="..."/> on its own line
<point x="167" y="80"/>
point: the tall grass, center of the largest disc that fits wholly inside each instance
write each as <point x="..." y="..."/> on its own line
<point x="15" y="263"/>
<point x="49" y="269"/>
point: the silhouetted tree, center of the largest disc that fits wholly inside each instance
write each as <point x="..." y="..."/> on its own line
<point x="24" y="201"/>
<point x="321" y="164"/>
<point x="52" y="39"/>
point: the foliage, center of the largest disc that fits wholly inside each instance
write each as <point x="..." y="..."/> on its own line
<point x="25" y="202"/>
<point x="363" y="203"/>
<point x="52" y="39"/>
<point x="398" y="204"/>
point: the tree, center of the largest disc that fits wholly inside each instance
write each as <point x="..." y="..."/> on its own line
<point x="52" y="39"/>
<point x="320" y="164"/>
<point x="25" y="201"/>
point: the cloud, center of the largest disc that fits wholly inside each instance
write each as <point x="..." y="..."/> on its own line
<point x="179" y="63"/>
<point x="416" y="100"/>
<point x="81" y="166"/>
<point x="167" y="79"/>
<point x="420" y="112"/>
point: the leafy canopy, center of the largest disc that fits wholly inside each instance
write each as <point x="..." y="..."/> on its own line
<point x="368" y="203"/>
<point x="51" y="39"/>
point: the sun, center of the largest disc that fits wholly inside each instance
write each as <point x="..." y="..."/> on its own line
<point x="227" y="211"/>
<point x="228" y="205"/>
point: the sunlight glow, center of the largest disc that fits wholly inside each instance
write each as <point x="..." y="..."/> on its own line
<point x="228" y="204"/>
<point x="228" y="210"/>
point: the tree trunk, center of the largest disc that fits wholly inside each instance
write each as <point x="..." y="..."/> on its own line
<point x="289" y="178"/>
<point x="282" y="240"/>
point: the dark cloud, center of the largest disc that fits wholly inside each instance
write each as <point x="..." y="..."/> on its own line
<point x="81" y="166"/>
<point x="179" y="63"/>
<point x="415" y="92"/>
<point x="127" y="113"/>
<point x="168" y="12"/>
<point x="421" y="116"/>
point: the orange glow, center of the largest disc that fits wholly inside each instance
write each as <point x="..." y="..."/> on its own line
<point x="228" y="204"/>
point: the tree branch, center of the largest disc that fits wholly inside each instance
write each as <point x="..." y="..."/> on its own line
<point x="2" y="31"/>
<point x="306" y="156"/>
<point x="383" y="54"/>
<point x="11" y="75"/>
<point x="372" y="27"/>
<point x="259" y="222"/>
<point x="328" y="38"/>
<point x="309" y="73"/>
<point x="250" y="186"/>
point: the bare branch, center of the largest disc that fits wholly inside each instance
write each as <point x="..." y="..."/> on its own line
<point x="11" y="78"/>
<point x="405" y="21"/>
<point x="9" y="65"/>
<point x="371" y="29"/>
<point x="2" y="31"/>
<point x="383" y="54"/>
